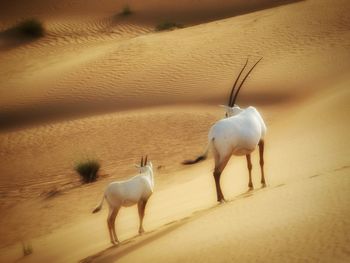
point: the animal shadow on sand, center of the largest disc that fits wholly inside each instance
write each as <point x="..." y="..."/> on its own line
<point x="112" y="253"/>
<point x="248" y="193"/>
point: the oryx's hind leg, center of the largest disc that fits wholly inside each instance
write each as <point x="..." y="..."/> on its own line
<point x="261" y="154"/>
<point x="113" y="216"/>
<point x="220" y="164"/>
<point x="141" y="205"/>
<point x="249" y="165"/>
<point x="109" y="223"/>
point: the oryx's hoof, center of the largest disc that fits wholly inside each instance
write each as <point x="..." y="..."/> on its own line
<point x="115" y="243"/>
<point x="222" y="201"/>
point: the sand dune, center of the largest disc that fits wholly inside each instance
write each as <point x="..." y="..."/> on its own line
<point x="151" y="8"/>
<point x="131" y="74"/>
<point x="109" y="87"/>
<point x="300" y="225"/>
<point x="273" y="232"/>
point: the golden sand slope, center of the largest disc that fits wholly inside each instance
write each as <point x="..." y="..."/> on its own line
<point x="302" y="214"/>
<point x="301" y="226"/>
<point x="304" y="44"/>
<point x="89" y="65"/>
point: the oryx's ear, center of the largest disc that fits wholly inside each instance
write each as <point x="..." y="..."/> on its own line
<point x="137" y="166"/>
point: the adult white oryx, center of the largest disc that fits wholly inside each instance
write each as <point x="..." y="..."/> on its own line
<point x="136" y="190"/>
<point x="237" y="134"/>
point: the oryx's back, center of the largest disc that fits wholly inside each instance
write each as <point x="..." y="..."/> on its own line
<point x="130" y="190"/>
<point x="239" y="134"/>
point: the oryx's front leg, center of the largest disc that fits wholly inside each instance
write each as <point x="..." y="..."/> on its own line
<point x="249" y="165"/>
<point x="141" y="205"/>
<point x="261" y="155"/>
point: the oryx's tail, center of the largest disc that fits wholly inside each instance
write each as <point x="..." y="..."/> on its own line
<point x="201" y="157"/>
<point x="98" y="208"/>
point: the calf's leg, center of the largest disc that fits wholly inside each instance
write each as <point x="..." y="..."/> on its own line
<point x="114" y="215"/>
<point x="141" y="205"/>
<point x="109" y="224"/>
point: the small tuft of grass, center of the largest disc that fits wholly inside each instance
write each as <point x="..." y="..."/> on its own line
<point x="88" y="170"/>
<point x="167" y="25"/>
<point x="126" y="11"/>
<point x="27" y="249"/>
<point x="31" y="28"/>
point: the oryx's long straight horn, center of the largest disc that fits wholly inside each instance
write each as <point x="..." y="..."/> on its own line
<point x="246" y="76"/>
<point x="146" y="160"/>
<point x="234" y="85"/>
<point x="141" y="161"/>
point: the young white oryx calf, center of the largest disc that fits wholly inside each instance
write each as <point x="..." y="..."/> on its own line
<point x="238" y="134"/>
<point x="136" y="190"/>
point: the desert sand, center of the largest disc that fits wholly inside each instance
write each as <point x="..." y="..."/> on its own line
<point x="100" y="85"/>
